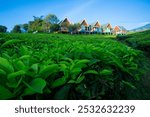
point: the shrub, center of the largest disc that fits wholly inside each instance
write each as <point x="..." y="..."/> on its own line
<point x="69" y="67"/>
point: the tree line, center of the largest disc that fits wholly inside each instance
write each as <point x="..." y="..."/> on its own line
<point x="47" y="24"/>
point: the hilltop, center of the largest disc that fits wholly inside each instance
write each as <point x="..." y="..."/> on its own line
<point x="142" y="28"/>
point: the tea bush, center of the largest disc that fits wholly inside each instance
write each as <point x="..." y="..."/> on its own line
<point x="139" y="40"/>
<point x="56" y="66"/>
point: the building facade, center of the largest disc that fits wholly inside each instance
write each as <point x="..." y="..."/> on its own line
<point x="94" y="28"/>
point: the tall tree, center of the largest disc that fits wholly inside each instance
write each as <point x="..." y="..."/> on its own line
<point x="52" y="19"/>
<point x="74" y="28"/>
<point x="36" y="25"/>
<point x="3" y="29"/>
<point x="38" y="18"/>
<point x="46" y="26"/>
<point x="16" y="29"/>
<point x="25" y="27"/>
<point x="50" y="23"/>
<point x="54" y="28"/>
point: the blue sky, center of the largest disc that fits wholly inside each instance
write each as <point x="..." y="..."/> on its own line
<point x="129" y="13"/>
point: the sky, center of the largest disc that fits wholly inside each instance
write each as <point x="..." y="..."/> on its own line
<point x="128" y="13"/>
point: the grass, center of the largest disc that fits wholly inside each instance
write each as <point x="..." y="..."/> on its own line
<point x="61" y="66"/>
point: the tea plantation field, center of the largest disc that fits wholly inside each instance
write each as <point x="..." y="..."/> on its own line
<point x="139" y="40"/>
<point x="72" y="67"/>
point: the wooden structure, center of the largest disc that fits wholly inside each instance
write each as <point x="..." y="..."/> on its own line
<point x="84" y="27"/>
<point x="95" y="28"/>
<point x="64" y="25"/>
<point x="119" y="30"/>
<point x="107" y="28"/>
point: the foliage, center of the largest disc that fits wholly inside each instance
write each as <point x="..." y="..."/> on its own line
<point x="16" y="29"/>
<point x="43" y="24"/>
<point x="54" y="28"/>
<point x="140" y="40"/>
<point x="36" y="25"/>
<point x="57" y="66"/>
<point x="52" y="19"/>
<point x="25" y="27"/>
<point x="74" y="28"/>
<point x="3" y="29"/>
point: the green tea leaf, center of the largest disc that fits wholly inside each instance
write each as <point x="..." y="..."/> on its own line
<point x="129" y="84"/>
<point x="71" y="81"/>
<point x="10" y="42"/>
<point x="62" y="93"/>
<point x="14" y="83"/>
<point x="24" y="50"/>
<point x="6" y="66"/>
<point x="48" y="70"/>
<point x="35" y="67"/>
<point x="12" y="76"/>
<point x="106" y="72"/>
<point x="2" y="72"/>
<point x="93" y="61"/>
<point x="6" y="56"/>
<point x="75" y="71"/>
<point x="36" y="86"/>
<point x="81" y="63"/>
<point x="80" y="79"/>
<point x="19" y="65"/>
<point x="5" y="93"/>
<point x="24" y="57"/>
<point x="59" y="82"/>
<point x="91" y="72"/>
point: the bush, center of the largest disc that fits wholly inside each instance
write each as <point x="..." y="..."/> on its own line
<point x="70" y="67"/>
<point x="122" y="37"/>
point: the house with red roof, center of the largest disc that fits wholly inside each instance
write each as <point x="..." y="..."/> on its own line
<point x="119" y="30"/>
<point x="64" y="25"/>
<point x="107" y="28"/>
<point x="94" y="28"/>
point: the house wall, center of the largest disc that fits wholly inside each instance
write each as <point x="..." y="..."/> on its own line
<point x="124" y="31"/>
<point x="117" y="31"/>
<point x="64" y="26"/>
<point x="84" y="23"/>
<point x="107" y="30"/>
<point x="97" y="30"/>
<point x="82" y="28"/>
<point x="85" y="29"/>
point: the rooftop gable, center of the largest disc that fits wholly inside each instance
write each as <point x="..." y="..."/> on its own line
<point x="65" y="21"/>
<point x="96" y="24"/>
<point x="122" y="28"/>
<point x="108" y="25"/>
<point x="84" y="22"/>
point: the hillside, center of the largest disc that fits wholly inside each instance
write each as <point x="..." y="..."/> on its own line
<point x="142" y="28"/>
<point x="138" y="40"/>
